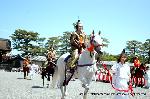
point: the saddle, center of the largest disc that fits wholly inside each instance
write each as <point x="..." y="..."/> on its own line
<point x="69" y="71"/>
<point x="67" y="58"/>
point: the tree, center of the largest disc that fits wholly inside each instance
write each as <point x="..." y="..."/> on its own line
<point x="108" y="57"/>
<point x="23" y="41"/>
<point x="53" y="42"/>
<point x="133" y="47"/>
<point x="147" y="49"/>
<point x="65" y="43"/>
<point x="105" y="42"/>
<point x="40" y="48"/>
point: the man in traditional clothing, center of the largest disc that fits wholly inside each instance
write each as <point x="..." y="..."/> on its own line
<point x="51" y="55"/>
<point x="26" y="62"/>
<point x="137" y="62"/>
<point x="77" y="41"/>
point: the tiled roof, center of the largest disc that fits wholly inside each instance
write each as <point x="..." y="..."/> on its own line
<point x="39" y="58"/>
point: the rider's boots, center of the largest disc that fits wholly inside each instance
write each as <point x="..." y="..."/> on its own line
<point x="68" y="76"/>
<point x="71" y="69"/>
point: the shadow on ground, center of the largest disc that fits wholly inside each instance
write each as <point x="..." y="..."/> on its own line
<point x="37" y="87"/>
<point x="20" y="78"/>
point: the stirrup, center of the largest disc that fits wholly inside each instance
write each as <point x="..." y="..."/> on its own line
<point x="72" y="70"/>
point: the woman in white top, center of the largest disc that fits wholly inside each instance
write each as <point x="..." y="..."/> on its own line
<point x="147" y="77"/>
<point x="121" y="76"/>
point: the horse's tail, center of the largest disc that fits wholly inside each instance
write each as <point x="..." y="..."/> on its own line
<point x="55" y="77"/>
<point x="59" y="72"/>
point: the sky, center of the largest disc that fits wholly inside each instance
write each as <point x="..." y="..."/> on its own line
<point x="118" y="20"/>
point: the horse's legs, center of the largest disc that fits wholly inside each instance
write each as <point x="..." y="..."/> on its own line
<point x="24" y="74"/>
<point x="62" y="88"/>
<point x="55" y="76"/>
<point x="136" y="81"/>
<point x="65" y="90"/>
<point x="62" y="92"/>
<point x="85" y="91"/>
<point x="53" y="72"/>
<point x="86" y="88"/>
<point x="142" y="82"/>
<point x="48" y="77"/>
<point x="86" y="82"/>
<point x="27" y="71"/>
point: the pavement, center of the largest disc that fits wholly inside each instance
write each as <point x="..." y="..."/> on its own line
<point x="13" y="86"/>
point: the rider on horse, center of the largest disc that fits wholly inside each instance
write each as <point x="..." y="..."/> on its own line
<point x="137" y="62"/>
<point x="51" y="55"/>
<point x="77" y="41"/>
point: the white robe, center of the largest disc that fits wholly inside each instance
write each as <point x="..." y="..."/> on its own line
<point x="33" y="69"/>
<point x="147" y="78"/>
<point x="120" y="78"/>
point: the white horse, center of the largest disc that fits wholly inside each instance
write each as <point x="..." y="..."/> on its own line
<point x="86" y="67"/>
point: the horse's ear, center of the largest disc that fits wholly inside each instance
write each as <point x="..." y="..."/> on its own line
<point x="92" y="36"/>
<point x="93" y="32"/>
<point x="99" y="33"/>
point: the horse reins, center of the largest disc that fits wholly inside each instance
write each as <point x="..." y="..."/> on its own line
<point x="86" y="64"/>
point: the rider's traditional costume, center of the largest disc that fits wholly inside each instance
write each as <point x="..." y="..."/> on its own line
<point x="26" y="62"/>
<point x="51" y="55"/>
<point x="77" y="41"/>
<point x="137" y="62"/>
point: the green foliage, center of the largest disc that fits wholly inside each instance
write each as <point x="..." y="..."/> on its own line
<point x="136" y="48"/>
<point x="147" y="50"/>
<point x="23" y="41"/>
<point x="53" y="42"/>
<point x="65" y="43"/>
<point x="39" y="49"/>
<point x="108" y="57"/>
<point x="133" y="46"/>
<point x="105" y="42"/>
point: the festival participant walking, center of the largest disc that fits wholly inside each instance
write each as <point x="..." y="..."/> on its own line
<point x="26" y="62"/>
<point x="121" y="76"/>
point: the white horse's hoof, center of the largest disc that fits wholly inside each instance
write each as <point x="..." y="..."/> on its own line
<point x="47" y="85"/>
<point x="83" y="85"/>
<point x="85" y="97"/>
<point x="66" y="93"/>
<point x="52" y="87"/>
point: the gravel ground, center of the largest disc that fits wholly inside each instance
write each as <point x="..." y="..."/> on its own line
<point x="13" y="86"/>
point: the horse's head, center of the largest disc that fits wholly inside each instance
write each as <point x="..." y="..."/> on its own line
<point x="96" y="42"/>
